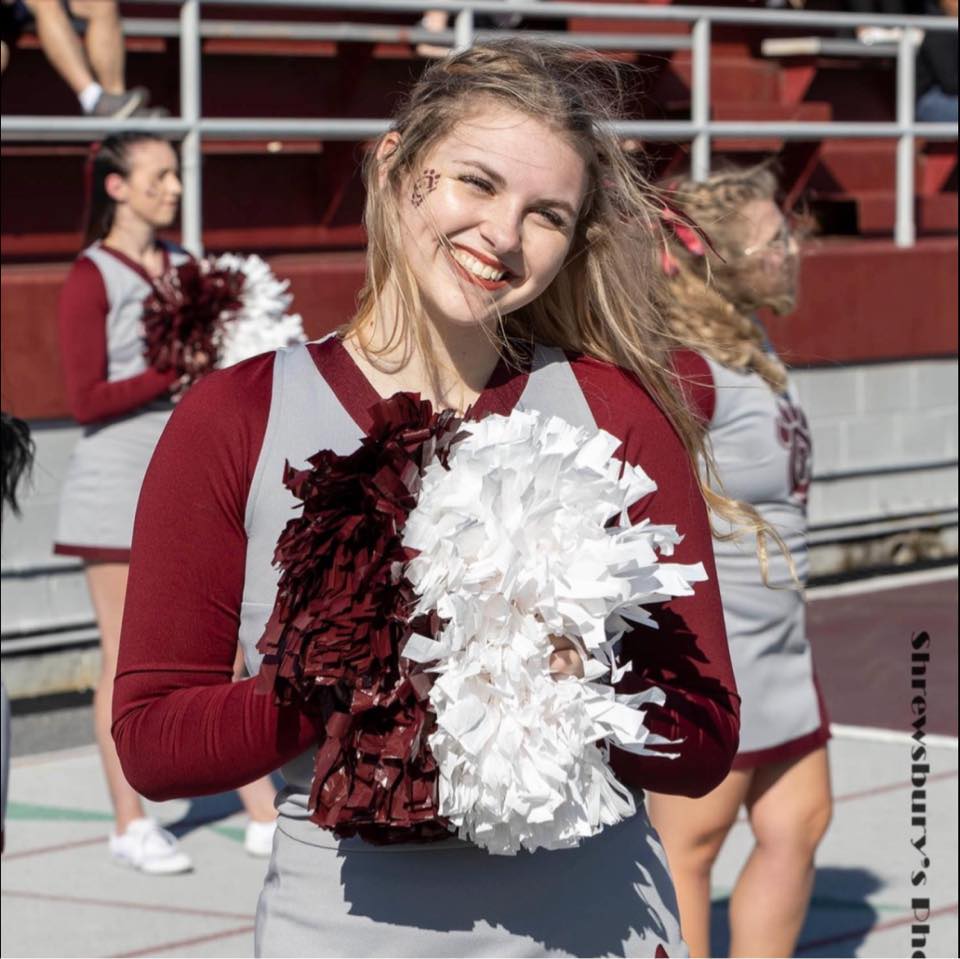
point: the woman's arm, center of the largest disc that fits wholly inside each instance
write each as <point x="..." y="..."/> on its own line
<point x="181" y="726"/>
<point x="688" y="656"/>
<point x="83" y="348"/>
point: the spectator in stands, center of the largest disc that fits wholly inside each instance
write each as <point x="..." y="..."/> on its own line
<point x="438" y="20"/>
<point x="937" y="69"/>
<point x="761" y="451"/>
<point x="13" y="17"/>
<point x="878" y="33"/>
<point x="94" y="69"/>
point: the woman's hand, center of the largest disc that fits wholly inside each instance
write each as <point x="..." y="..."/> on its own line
<point x="565" y="660"/>
<point x="197" y="364"/>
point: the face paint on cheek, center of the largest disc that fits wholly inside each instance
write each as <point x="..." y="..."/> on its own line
<point x="424" y="185"/>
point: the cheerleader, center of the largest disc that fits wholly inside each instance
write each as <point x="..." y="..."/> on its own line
<point x="761" y="448"/>
<point x="501" y="214"/>
<point x="123" y="405"/>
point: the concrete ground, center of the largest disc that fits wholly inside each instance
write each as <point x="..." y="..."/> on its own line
<point x="62" y="896"/>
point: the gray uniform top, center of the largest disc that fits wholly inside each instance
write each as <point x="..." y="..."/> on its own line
<point x="294" y="432"/>
<point x="329" y="897"/>
<point x="126" y="289"/>
<point x="98" y="498"/>
<point x="762" y="449"/>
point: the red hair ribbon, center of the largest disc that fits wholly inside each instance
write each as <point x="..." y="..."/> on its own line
<point x="686" y="233"/>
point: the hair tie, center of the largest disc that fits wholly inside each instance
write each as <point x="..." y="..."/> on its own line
<point x="88" y="172"/>
<point x="687" y="233"/>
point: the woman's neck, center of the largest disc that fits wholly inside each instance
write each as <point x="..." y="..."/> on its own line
<point x="136" y="239"/>
<point x="463" y="360"/>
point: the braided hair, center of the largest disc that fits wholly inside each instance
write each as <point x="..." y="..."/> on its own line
<point x="711" y="299"/>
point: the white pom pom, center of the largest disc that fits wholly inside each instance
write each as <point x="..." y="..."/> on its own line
<point x="261" y="323"/>
<point x="513" y="547"/>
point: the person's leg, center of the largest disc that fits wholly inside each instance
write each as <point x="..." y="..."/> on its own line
<point x="60" y="44"/>
<point x="692" y="832"/>
<point x="104" y="41"/>
<point x="257" y="797"/>
<point x="4" y="55"/>
<point x="935" y="106"/>
<point x="108" y="584"/>
<point x="789" y="805"/>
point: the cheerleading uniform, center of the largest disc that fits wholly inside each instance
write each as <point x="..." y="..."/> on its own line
<point x="122" y="403"/>
<point x="212" y="509"/>
<point x="762" y="449"/>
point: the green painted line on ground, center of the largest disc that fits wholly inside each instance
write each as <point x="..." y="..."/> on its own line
<point x="38" y="813"/>
<point x="236" y="833"/>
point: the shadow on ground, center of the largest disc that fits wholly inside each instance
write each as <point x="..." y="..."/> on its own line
<point x="205" y="810"/>
<point x="839" y="919"/>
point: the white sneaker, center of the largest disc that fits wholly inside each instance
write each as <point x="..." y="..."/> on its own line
<point x="152" y="850"/>
<point x="258" y="839"/>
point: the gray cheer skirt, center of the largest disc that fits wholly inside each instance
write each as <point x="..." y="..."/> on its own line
<point x="98" y="498"/>
<point x="611" y="896"/>
<point x="782" y="714"/>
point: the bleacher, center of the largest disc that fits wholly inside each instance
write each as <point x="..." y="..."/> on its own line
<point x="299" y="201"/>
<point x="871" y="314"/>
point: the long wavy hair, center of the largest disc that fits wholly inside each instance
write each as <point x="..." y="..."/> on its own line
<point x="606" y="300"/>
<point x="714" y="289"/>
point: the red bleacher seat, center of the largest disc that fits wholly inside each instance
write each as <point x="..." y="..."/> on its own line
<point x="300" y="201"/>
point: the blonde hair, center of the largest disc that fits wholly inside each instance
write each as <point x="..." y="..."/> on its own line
<point x="605" y="300"/>
<point x="708" y="303"/>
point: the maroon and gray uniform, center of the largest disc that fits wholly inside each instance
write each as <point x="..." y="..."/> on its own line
<point x="122" y="403"/>
<point x="213" y="505"/>
<point x="762" y="449"/>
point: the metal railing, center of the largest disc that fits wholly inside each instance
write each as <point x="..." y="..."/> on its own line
<point x="699" y="130"/>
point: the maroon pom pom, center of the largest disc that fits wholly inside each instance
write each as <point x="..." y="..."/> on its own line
<point x="181" y="315"/>
<point x="341" y="617"/>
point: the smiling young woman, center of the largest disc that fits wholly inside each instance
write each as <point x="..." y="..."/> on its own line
<point x="513" y="251"/>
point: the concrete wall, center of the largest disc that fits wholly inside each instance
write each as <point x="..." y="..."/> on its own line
<point x="885" y="491"/>
<point x="885" y="463"/>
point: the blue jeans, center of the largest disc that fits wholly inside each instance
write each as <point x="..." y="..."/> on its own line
<point x="935" y="106"/>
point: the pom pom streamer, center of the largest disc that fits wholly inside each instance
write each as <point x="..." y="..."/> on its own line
<point x="332" y="645"/>
<point x="261" y="322"/>
<point x="212" y="313"/>
<point x="524" y="535"/>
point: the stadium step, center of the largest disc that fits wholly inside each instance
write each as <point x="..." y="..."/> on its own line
<point x="850" y="165"/>
<point x="873" y="213"/>
<point x="263" y="196"/>
<point x="324" y="288"/>
<point x="881" y="302"/>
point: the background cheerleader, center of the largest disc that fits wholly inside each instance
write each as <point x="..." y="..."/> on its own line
<point x="761" y="446"/>
<point x="124" y="406"/>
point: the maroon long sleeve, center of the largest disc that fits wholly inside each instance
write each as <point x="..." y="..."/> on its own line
<point x="182" y="613"/>
<point x="83" y="313"/>
<point x="186" y="582"/>
<point x="687" y="657"/>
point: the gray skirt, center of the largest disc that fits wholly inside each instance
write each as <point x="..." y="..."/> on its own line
<point x="98" y="498"/>
<point x="782" y="715"/>
<point x="611" y="896"/>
